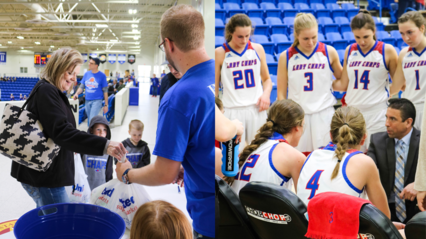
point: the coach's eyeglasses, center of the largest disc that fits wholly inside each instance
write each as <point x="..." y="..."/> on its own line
<point x="161" y="46"/>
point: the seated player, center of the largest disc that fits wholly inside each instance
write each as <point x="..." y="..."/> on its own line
<point x="271" y="156"/>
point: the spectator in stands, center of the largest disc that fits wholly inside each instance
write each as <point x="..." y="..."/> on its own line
<point x="133" y="72"/>
<point x="14" y="79"/>
<point x="117" y="75"/>
<point x="401" y="141"/>
<point x="169" y="80"/>
<point x="163" y="74"/>
<point x="21" y="97"/>
<point x="57" y="120"/>
<point x="12" y="98"/>
<point x="25" y="97"/>
<point x="120" y="85"/>
<point x="126" y="75"/>
<point x="112" y="89"/>
<point x="95" y="83"/>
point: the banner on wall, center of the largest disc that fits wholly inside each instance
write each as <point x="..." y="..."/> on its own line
<point x="131" y="58"/>
<point x="84" y="55"/>
<point x="112" y="58"/>
<point x="93" y="55"/>
<point x="2" y="58"/>
<point x="121" y="58"/>
<point x="102" y="58"/>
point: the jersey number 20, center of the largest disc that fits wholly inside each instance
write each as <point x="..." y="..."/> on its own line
<point x="313" y="184"/>
<point x="248" y="76"/>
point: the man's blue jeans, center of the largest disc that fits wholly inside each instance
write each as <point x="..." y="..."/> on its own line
<point x="92" y="109"/>
<point x="45" y="196"/>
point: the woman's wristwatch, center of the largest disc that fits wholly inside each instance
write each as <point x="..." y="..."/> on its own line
<point x="125" y="176"/>
<point x="106" y="105"/>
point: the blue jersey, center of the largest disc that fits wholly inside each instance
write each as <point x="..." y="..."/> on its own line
<point x="185" y="133"/>
<point x="155" y="81"/>
<point x="94" y="84"/>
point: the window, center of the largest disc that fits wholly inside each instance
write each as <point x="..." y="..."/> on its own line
<point x="24" y="70"/>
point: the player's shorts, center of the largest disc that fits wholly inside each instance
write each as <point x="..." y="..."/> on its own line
<point x="375" y="121"/>
<point x="251" y="118"/>
<point x="419" y="115"/>
<point x="316" y="130"/>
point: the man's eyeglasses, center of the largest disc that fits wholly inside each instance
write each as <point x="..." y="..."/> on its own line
<point x="161" y="46"/>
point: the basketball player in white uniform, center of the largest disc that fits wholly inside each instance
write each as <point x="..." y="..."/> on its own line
<point x="307" y="69"/>
<point x="242" y="69"/>
<point x="336" y="168"/>
<point x="270" y="157"/>
<point x="411" y="69"/>
<point x="366" y="65"/>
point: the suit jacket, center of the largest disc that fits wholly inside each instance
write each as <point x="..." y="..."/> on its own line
<point x="382" y="151"/>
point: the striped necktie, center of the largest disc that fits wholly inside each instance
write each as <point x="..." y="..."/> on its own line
<point x="399" y="181"/>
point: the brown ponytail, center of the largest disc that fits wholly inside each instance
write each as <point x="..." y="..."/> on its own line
<point x="364" y="19"/>
<point x="283" y="116"/>
<point x="238" y="20"/>
<point x="347" y="129"/>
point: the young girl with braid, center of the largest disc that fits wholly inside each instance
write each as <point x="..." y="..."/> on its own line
<point x="340" y="166"/>
<point x="271" y="156"/>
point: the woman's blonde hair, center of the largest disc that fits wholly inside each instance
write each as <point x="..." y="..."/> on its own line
<point x="61" y="61"/>
<point x="364" y="20"/>
<point x="160" y="220"/>
<point x="238" y="20"/>
<point x="415" y="17"/>
<point x="347" y="129"/>
<point x="283" y="116"/>
<point x="303" y="21"/>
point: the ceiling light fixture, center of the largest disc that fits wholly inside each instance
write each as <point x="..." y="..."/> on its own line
<point x="101" y="25"/>
<point x="9" y="42"/>
<point x="134" y="25"/>
<point x="52" y="46"/>
<point x="20" y="37"/>
<point x="133" y="11"/>
<point x="37" y="42"/>
<point x="135" y="31"/>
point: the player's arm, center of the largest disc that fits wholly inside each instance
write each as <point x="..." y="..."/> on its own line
<point x="218" y="162"/>
<point x="391" y="59"/>
<point x="376" y="193"/>
<point x="163" y="171"/>
<point x="282" y="77"/>
<point x="341" y="83"/>
<point x="219" y="54"/>
<point x="265" y="100"/>
<point x="225" y="129"/>
<point x="398" y="79"/>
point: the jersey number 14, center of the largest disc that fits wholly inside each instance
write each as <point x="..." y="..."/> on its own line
<point x="364" y="79"/>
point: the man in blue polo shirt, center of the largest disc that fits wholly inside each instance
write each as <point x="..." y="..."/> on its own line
<point x="95" y="83"/>
<point x="185" y="130"/>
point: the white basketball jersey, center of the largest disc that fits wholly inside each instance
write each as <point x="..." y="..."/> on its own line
<point x="259" y="167"/>
<point x="414" y="68"/>
<point x="240" y="76"/>
<point x="368" y="76"/>
<point x="310" y="79"/>
<point x="315" y="175"/>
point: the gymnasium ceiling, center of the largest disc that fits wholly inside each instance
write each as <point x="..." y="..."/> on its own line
<point x="86" y="25"/>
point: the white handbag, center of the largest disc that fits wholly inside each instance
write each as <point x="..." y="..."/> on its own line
<point x="22" y="138"/>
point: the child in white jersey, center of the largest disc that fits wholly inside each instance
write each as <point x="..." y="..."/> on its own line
<point x="271" y="157"/>
<point x="366" y="66"/>
<point x="307" y="68"/>
<point x="340" y="166"/>
<point x="411" y="71"/>
<point x="242" y="69"/>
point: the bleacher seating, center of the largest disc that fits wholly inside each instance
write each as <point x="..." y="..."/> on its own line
<point x="22" y="85"/>
<point x="344" y="24"/>
<point x="349" y="36"/>
<point x="320" y="10"/>
<point x="303" y="7"/>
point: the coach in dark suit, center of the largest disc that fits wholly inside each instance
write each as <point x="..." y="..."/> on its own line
<point x="395" y="153"/>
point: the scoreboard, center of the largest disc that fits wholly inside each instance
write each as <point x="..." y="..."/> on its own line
<point x="41" y="58"/>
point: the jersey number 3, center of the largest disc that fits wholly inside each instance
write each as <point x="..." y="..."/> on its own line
<point x="310" y="81"/>
<point x="313" y="183"/>
<point x="249" y="78"/>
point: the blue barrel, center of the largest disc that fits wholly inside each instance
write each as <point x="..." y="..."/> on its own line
<point x="70" y="220"/>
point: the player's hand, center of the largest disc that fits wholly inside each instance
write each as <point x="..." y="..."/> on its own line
<point x="421" y="200"/>
<point x="116" y="150"/>
<point x="75" y="97"/>
<point x="179" y="178"/>
<point x="408" y="193"/>
<point x="121" y="167"/>
<point x="105" y="109"/>
<point x="263" y="103"/>
<point x="239" y="126"/>
<point x="399" y="225"/>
